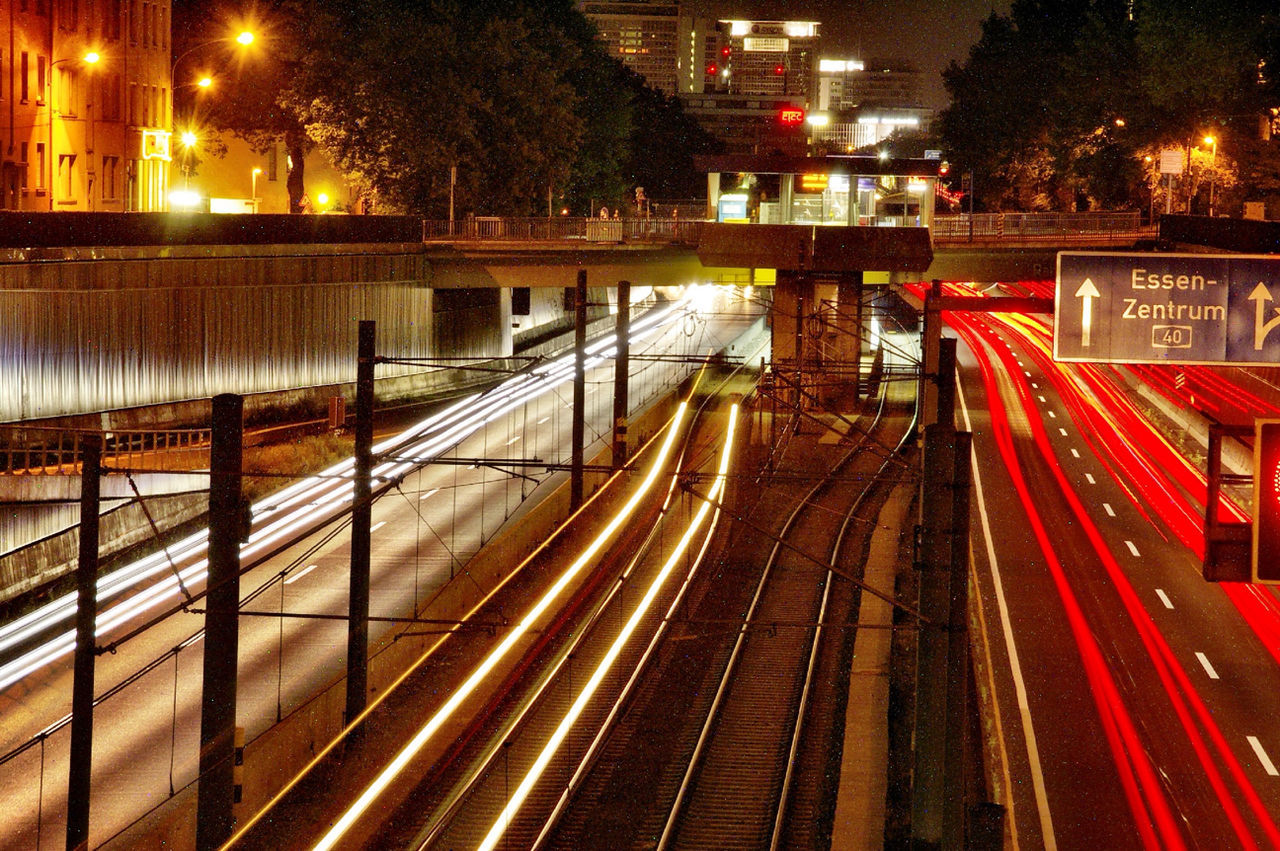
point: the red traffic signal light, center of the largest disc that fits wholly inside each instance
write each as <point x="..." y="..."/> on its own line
<point x="779" y="69"/>
<point x="725" y="51"/>
<point x="712" y="70"/>
<point x="1266" y="501"/>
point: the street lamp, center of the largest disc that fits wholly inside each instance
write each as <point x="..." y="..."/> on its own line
<point x="1213" y="172"/>
<point x="90" y="58"/>
<point x="254" y="176"/>
<point x="244" y="39"/>
<point x="189" y="140"/>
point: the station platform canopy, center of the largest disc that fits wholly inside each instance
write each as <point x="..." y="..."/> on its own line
<point x="849" y="191"/>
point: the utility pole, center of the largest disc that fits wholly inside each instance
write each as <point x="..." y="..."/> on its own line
<point x="215" y="795"/>
<point x="579" y="390"/>
<point x="621" y="373"/>
<point x="79" y="783"/>
<point x="361" y="518"/>
<point x="938" y="806"/>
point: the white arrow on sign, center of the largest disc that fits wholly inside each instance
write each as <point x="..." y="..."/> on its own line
<point x="1261" y="327"/>
<point x="1087" y="293"/>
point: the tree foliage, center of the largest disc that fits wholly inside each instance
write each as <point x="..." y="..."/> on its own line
<point x="1060" y="104"/>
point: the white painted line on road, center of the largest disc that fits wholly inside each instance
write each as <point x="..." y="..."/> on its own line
<point x="512" y="440"/>
<point x="1048" y="839"/>
<point x="1042" y="399"/>
<point x="376" y="526"/>
<point x="294" y="577"/>
<point x="1028" y="373"/>
<point x="1208" y="669"/>
<point x="1090" y="478"/>
<point x="1111" y="512"/>
<point x="1164" y="598"/>
<point x="1075" y="453"/>
<point x="1132" y="548"/>
<point x="1063" y="431"/>
<point x="428" y="493"/>
<point x="1035" y="386"/>
<point x="1052" y="415"/>
<point x="1267" y="764"/>
<point x="543" y="420"/>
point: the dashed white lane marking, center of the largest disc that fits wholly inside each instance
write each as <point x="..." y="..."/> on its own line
<point x="543" y="420"/>
<point x="1267" y="764"/>
<point x="301" y="573"/>
<point x="1132" y="548"/>
<point x="1164" y="598"/>
<point x="1035" y="386"/>
<point x="376" y="526"/>
<point x="1052" y="415"/>
<point x="1042" y="399"/>
<point x="428" y="493"/>
<point x="1063" y="431"/>
<point x="1208" y="669"/>
<point x="1089" y="477"/>
<point x="1075" y="453"/>
<point x="1028" y="373"/>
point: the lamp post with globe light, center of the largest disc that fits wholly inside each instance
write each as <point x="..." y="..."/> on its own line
<point x="244" y="39"/>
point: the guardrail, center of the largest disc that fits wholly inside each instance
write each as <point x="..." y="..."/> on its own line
<point x="541" y="228"/>
<point x="45" y="451"/>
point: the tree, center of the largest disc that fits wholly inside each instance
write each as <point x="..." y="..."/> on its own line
<point x="251" y="96"/>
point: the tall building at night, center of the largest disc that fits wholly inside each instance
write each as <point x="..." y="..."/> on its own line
<point x="85" y="91"/>
<point x="766" y="58"/>
<point x="644" y="35"/>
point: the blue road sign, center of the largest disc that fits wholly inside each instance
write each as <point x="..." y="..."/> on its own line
<point x="1167" y="308"/>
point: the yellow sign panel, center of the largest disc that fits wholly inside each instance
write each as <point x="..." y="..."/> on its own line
<point x="816" y="182"/>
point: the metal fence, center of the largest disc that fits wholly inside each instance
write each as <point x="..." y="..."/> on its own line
<point x="43" y="451"/>
<point x="998" y="228"/>
<point x="1091" y="228"/>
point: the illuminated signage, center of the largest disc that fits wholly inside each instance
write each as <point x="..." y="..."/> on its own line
<point x="816" y="182"/>
<point x="1266" y="501"/>
<point x="765" y="44"/>
<point x="839" y="66"/>
<point x="791" y="115"/>
<point x="155" y="145"/>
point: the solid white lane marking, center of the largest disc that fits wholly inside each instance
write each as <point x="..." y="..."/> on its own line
<point x="301" y="573"/>
<point x="376" y="526"/>
<point x="1063" y="431"/>
<point x="1111" y="512"/>
<point x="1208" y="669"/>
<point x="428" y="493"/>
<point x="1075" y="453"/>
<point x="1267" y="764"/>
<point x="1164" y="598"/>
<point x="1049" y="840"/>
<point x="1132" y="548"/>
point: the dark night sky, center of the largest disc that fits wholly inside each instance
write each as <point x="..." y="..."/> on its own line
<point x="927" y="34"/>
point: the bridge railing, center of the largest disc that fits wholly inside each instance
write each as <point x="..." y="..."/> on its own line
<point x="998" y="228"/>
<point x="45" y="451"/>
<point x="1039" y="227"/>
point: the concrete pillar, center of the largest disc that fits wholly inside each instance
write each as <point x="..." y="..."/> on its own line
<point x="794" y="349"/>
<point x="843" y="350"/>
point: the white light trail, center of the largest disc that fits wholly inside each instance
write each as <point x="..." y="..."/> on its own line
<point x="301" y="505"/>
<point x="518" y="631"/>
<point x="624" y="635"/>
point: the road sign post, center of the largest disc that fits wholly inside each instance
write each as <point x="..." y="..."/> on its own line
<point x="1266" y="501"/>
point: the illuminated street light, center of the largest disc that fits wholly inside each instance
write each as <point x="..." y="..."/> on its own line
<point x="1213" y="174"/>
<point x="244" y="39"/>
